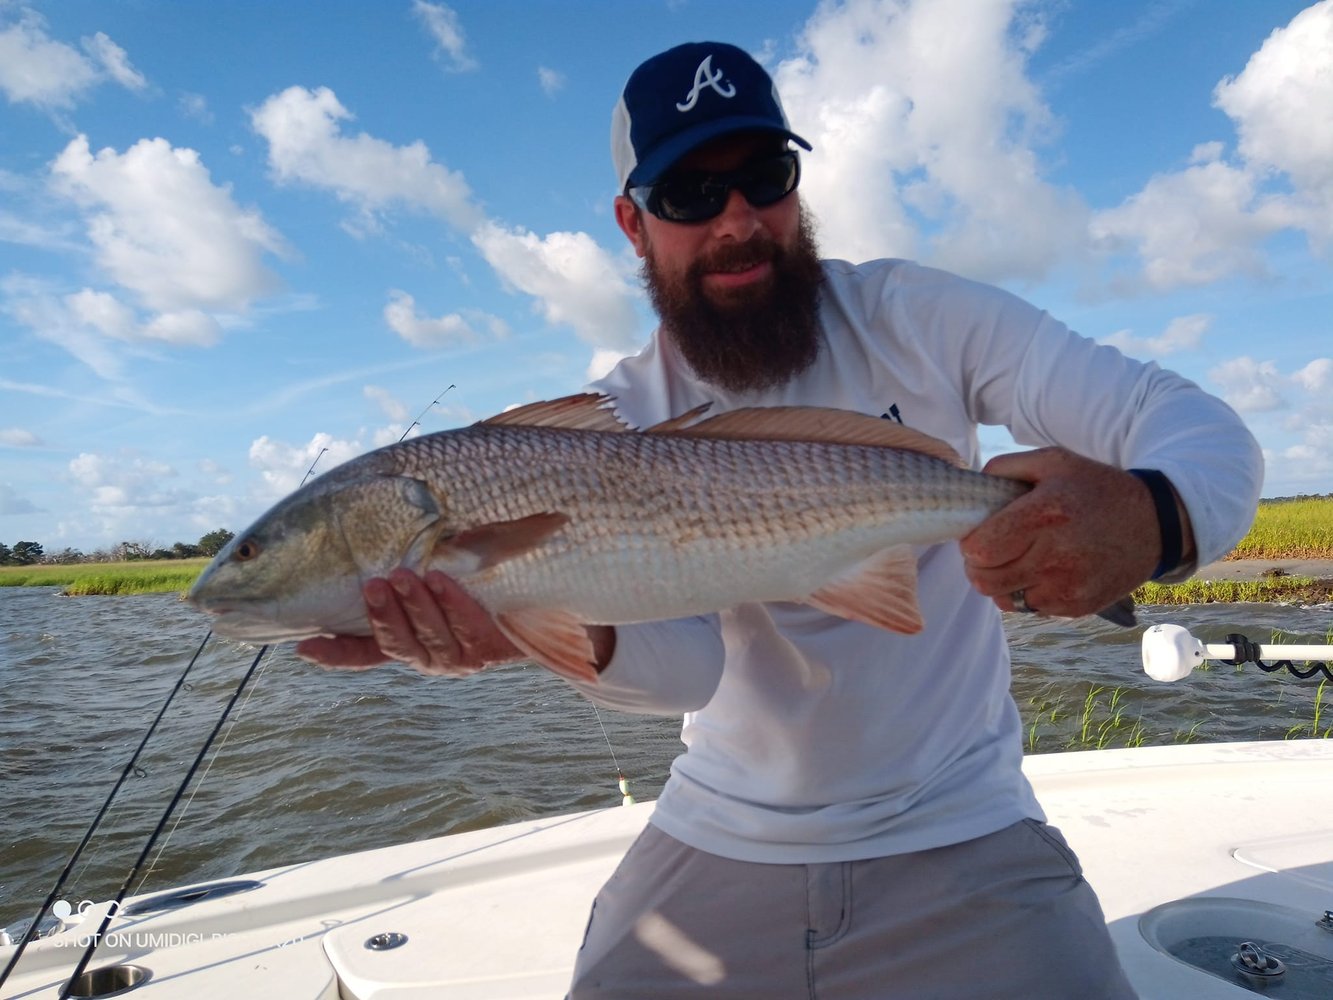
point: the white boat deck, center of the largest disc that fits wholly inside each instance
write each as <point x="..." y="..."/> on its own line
<point x="500" y="913"/>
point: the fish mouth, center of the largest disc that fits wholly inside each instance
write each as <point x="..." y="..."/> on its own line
<point x="258" y="624"/>
<point x="245" y="625"/>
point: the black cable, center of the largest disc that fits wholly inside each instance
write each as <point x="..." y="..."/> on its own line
<point x="114" y="908"/>
<point x="131" y="767"/>
<point x="1248" y="652"/>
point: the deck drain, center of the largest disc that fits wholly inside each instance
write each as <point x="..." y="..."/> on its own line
<point x="386" y="941"/>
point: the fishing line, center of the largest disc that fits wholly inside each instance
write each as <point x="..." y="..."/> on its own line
<point x="131" y="767"/>
<point x="621" y="781"/>
<point x="203" y="778"/>
<point x="114" y="908"/>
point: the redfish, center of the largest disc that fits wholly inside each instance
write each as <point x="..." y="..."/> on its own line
<point x="556" y="515"/>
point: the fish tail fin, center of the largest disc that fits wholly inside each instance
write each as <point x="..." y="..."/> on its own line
<point x="1120" y="613"/>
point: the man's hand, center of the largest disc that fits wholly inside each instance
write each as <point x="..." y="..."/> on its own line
<point x="1085" y="536"/>
<point x="431" y="623"/>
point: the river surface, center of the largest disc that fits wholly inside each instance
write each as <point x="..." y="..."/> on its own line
<point x="320" y="762"/>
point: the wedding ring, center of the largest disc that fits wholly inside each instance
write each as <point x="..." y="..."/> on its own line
<point x="1021" y="603"/>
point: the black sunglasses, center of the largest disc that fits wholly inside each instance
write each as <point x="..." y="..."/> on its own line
<point x="696" y="196"/>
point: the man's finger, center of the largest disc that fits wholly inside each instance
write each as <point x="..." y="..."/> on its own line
<point x="478" y="638"/>
<point x="345" y="652"/>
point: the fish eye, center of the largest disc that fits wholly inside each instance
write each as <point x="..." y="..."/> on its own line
<point x="246" y="551"/>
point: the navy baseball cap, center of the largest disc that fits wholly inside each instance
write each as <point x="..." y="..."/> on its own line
<point x="684" y="97"/>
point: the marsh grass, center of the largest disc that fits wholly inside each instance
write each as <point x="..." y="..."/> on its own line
<point x="1291" y="589"/>
<point x="1102" y="721"/>
<point x="151" y="576"/>
<point x="1311" y="729"/>
<point x="1289" y="529"/>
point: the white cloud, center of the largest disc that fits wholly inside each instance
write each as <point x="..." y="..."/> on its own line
<point x="450" y="330"/>
<point x="1257" y="386"/>
<point x="1282" y="104"/>
<point x="283" y="466"/>
<point x="1184" y="333"/>
<point x="925" y="112"/>
<point x="195" y="106"/>
<point x="19" y="437"/>
<point x="103" y="312"/>
<point x="35" y="305"/>
<point x="442" y="23"/>
<point x="393" y="408"/>
<point x="574" y="280"/>
<point x="552" y="81"/>
<point x="36" y="69"/>
<point x="1210" y="220"/>
<point x="214" y="471"/>
<point x="124" y="480"/>
<point x="114" y="61"/>
<point x="183" y="326"/>
<point x="1317" y="376"/>
<point x="163" y="230"/>
<point x="1248" y="385"/>
<point x="602" y="362"/>
<point x="1194" y="227"/>
<point x="306" y="145"/>
<point x="392" y="434"/>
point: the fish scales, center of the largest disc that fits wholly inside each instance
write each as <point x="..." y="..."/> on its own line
<point x="701" y="516"/>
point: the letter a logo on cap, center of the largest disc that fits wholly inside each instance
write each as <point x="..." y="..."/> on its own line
<point x="705" y="77"/>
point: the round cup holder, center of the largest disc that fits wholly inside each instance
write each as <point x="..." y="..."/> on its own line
<point x="109" y="981"/>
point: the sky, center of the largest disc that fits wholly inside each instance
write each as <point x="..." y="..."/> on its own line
<point x="241" y="239"/>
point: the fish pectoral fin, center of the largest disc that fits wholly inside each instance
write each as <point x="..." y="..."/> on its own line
<point x="879" y="591"/>
<point x="554" y="638"/>
<point x="485" y="545"/>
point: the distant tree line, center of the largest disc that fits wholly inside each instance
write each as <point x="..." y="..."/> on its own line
<point x="30" y="553"/>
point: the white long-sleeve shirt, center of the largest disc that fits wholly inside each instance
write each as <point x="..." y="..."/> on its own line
<point x="811" y="738"/>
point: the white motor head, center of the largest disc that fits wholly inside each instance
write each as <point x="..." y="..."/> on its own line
<point x="1170" y="652"/>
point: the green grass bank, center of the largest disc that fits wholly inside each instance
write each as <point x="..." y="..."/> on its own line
<point x="147" y="576"/>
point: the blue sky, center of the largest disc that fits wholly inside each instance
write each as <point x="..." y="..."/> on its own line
<point x="235" y="235"/>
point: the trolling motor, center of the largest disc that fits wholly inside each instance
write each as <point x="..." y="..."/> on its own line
<point x="1170" y="653"/>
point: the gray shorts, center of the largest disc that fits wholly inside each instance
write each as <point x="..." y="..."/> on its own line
<point x="1004" y="916"/>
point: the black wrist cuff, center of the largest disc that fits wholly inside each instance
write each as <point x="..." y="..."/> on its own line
<point x="1168" y="518"/>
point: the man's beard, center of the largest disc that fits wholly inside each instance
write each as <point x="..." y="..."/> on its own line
<point x="758" y="338"/>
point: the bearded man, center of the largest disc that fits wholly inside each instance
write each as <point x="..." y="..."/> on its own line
<point x="849" y="818"/>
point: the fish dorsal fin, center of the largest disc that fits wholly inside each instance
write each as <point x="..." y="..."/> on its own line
<point x="814" y="423"/>
<point x="683" y="422"/>
<point x="585" y="411"/>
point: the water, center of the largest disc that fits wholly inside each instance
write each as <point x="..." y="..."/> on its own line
<point x="323" y="762"/>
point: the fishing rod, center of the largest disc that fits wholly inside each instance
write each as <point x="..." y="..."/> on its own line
<point x="312" y="465"/>
<point x="131" y="767"/>
<point x="114" y="908"/>
<point x="417" y="421"/>
<point x="1170" y="653"/>
<point x="33" y="929"/>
